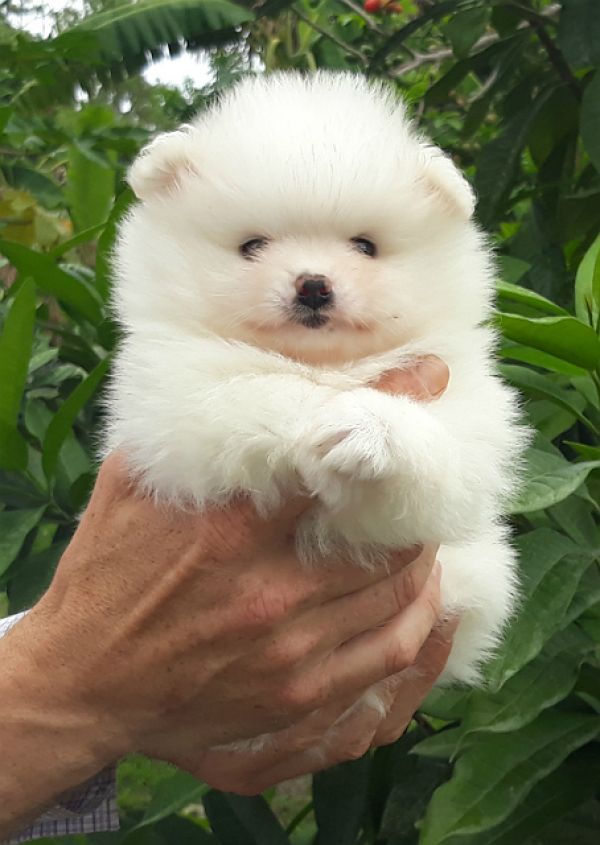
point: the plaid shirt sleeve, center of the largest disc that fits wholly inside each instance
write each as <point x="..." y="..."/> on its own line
<point x="91" y="808"/>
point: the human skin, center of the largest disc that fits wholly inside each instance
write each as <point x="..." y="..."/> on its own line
<point x="171" y="633"/>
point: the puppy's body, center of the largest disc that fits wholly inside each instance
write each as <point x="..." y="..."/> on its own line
<point x="228" y="382"/>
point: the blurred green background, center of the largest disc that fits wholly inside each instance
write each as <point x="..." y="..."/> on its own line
<point x="512" y="91"/>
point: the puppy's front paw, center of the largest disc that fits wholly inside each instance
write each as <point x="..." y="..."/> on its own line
<point x="347" y="441"/>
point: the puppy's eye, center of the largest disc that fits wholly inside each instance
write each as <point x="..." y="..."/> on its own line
<point x="365" y="246"/>
<point x="250" y="248"/>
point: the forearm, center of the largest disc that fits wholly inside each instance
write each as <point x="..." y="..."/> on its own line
<point x="49" y="743"/>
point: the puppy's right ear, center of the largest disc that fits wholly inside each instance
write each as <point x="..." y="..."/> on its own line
<point x="161" y="164"/>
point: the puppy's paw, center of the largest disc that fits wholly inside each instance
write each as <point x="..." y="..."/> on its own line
<point x="348" y="440"/>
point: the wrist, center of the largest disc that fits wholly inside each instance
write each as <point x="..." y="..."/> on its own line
<point x="51" y="740"/>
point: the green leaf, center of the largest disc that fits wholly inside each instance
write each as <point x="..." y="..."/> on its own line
<point x="564" y="337"/>
<point x="542" y="387"/>
<point x="40" y="185"/>
<point x="511" y="270"/>
<point x="128" y="34"/>
<point x="549" y="420"/>
<point x="464" y="29"/>
<point x="106" y="242"/>
<point x="540" y="684"/>
<point x="579" y="32"/>
<point x="590" y="120"/>
<point x="587" y="595"/>
<point x="441" y="745"/>
<point x="500" y="158"/>
<point x="587" y="294"/>
<point x="15" y="351"/>
<point x="552" y="567"/>
<point x="508" y="292"/>
<point x="553" y="798"/>
<point x="589" y="453"/>
<point x="548" y="479"/>
<point x="82" y="238"/>
<point x="225" y="824"/>
<point x="66" y="288"/>
<point x="431" y="13"/>
<point x="14" y="528"/>
<point x="536" y="358"/>
<point x="494" y="775"/>
<point x="170" y="796"/>
<point x="574" y="517"/>
<point x="413" y="780"/>
<point x="580" y="826"/>
<point x="19" y="491"/>
<point x="446" y="703"/>
<point x="90" y="187"/>
<point x="32" y="577"/>
<point x="241" y="820"/>
<point x="339" y="801"/>
<point x="66" y="415"/>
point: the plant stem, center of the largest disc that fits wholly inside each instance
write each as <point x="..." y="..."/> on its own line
<point x="343" y="44"/>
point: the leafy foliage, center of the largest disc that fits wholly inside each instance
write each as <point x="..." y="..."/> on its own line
<point x="512" y="89"/>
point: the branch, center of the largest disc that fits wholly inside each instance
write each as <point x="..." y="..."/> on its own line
<point x="368" y="19"/>
<point x="537" y="22"/>
<point x="348" y="48"/>
<point x="421" y="59"/>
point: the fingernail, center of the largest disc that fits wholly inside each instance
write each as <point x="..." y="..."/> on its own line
<point x="447" y="627"/>
<point x="433" y="374"/>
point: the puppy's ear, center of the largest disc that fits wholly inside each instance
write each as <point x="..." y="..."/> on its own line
<point x="446" y="183"/>
<point x="161" y="164"/>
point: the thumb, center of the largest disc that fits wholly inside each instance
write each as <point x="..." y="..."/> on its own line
<point x="427" y="379"/>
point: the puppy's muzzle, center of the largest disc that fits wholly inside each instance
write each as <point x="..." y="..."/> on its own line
<point x="313" y="292"/>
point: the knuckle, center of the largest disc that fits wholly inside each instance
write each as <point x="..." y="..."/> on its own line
<point x="389" y="736"/>
<point x="298" y="697"/>
<point x="400" y="657"/>
<point x="301" y="742"/>
<point x="356" y="748"/>
<point x="406" y="588"/>
<point x="434" y="603"/>
<point x="288" y="651"/>
<point x="265" y="609"/>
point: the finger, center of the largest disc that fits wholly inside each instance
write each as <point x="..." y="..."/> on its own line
<point x="376" y="655"/>
<point x="413" y="686"/>
<point x="244" y="767"/>
<point x="348" y="739"/>
<point x="343" y="618"/>
<point x="338" y="578"/>
<point x="426" y="380"/>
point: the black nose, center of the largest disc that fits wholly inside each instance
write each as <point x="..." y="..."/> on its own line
<point x="314" y="292"/>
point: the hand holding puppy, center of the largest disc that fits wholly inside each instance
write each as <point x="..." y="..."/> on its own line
<point x="169" y="633"/>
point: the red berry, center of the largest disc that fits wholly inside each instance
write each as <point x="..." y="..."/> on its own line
<point x="393" y="7"/>
<point x="372" y="6"/>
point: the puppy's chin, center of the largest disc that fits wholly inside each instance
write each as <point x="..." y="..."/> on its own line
<point x="319" y="341"/>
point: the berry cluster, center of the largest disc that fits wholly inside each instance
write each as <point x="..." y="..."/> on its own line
<point x="386" y="6"/>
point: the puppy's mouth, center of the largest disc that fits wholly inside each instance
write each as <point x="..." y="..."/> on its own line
<point x="310" y="319"/>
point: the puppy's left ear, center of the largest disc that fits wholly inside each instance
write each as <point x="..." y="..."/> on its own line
<point x="162" y="164"/>
<point x="446" y="183"/>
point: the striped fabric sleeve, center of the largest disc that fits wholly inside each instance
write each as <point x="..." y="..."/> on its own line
<point x="91" y="808"/>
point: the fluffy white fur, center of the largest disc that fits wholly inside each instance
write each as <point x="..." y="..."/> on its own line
<point x="217" y="389"/>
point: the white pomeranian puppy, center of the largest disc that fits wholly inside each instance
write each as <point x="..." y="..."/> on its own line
<point x="296" y="241"/>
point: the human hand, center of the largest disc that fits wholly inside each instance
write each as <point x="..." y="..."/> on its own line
<point x="169" y="632"/>
<point x="340" y="732"/>
<point x="329" y="735"/>
<point x="205" y="624"/>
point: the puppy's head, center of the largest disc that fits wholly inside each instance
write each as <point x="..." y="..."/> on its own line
<point x="306" y="216"/>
